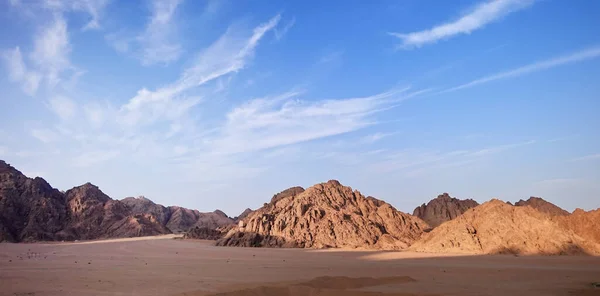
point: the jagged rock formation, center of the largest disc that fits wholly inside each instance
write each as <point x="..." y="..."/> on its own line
<point x="543" y="206"/>
<point x="177" y="219"/>
<point x="496" y="227"/>
<point x="203" y="233"/>
<point x="326" y="215"/>
<point x="443" y="208"/>
<point x="243" y="215"/>
<point x="31" y="210"/>
<point x="292" y="191"/>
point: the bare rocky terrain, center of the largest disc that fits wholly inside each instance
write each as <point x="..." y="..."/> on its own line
<point x="496" y="227"/>
<point x="443" y="208"/>
<point x="327" y="215"/>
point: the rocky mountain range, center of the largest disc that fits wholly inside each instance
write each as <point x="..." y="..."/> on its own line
<point x="497" y="227"/>
<point x="326" y="215"/>
<point x="177" y="219"/>
<point x="443" y="208"/>
<point x="31" y="210"/>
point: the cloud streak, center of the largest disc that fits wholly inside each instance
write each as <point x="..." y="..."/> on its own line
<point x="482" y="15"/>
<point x="159" y="40"/>
<point x="583" y="55"/>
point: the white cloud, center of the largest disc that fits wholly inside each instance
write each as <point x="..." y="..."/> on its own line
<point x="227" y="55"/>
<point x="44" y="135"/>
<point x="159" y="40"/>
<point x="51" y="50"/>
<point x="583" y="55"/>
<point x="477" y="18"/>
<point x="284" y="120"/>
<point x="63" y="107"/>
<point x="94" y="8"/>
<point x="19" y="73"/>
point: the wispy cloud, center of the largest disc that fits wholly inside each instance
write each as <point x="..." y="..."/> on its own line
<point x="227" y="55"/>
<point x="159" y="41"/>
<point x="63" y="107"/>
<point x="94" y="8"/>
<point x="583" y="55"/>
<point x="587" y="157"/>
<point x="18" y="72"/>
<point x="44" y="135"/>
<point x="372" y="138"/>
<point x="279" y="33"/>
<point x="285" y="119"/>
<point x="481" y="15"/>
<point x="94" y="157"/>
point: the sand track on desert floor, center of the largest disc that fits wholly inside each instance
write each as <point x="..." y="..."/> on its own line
<point x="153" y="266"/>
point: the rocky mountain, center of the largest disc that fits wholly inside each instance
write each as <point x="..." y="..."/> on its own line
<point x="31" y="210"/>
<point x="443" y="208"/>
<point x="584" y="224"/>
<point x="497" y="227"/>
<point x="243" y="215"/>
<point x="543" y="206"/>
<point x="177" y="219"/>
<point x="326" y="215"/>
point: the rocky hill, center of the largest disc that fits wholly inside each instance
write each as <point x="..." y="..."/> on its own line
<point x="443" y="208"/>
<point x="543" y="206"/>
<point x="584" y="224"/>
<point x="497" y="227"/>
<point x="177" y="219"/>
<point x="326" y="215"/>
<point x="31" y="210"/>
<point x="243" y="215"/>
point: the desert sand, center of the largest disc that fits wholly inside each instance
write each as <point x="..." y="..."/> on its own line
<point x="165" y="266"/>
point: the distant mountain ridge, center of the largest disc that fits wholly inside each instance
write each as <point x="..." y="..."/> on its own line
<point x="178" y="219"/>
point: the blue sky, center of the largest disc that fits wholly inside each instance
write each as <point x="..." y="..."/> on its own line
<point x="221" y="104"/>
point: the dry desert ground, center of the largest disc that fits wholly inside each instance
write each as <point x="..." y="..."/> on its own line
<point x="166" y="266"/>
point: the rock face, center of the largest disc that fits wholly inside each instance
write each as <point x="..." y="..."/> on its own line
<point x="325" y="215"/>
<point x="542" y="206"/>
<point x="203" y="233"/>
<point x="31" y="210"/>
<point x="497" y="227"/>
<point x="443" y="208"/>
<point x="177" y="219"/>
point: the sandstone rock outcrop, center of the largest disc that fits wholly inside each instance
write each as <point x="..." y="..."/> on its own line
<point x="31" y="210"/>
<point x="584" y="224"/>
<point x="243" y="215"/>
<point x="203" y="233"/>
<point x="326" y="215"/>
<point x="443" y="208"/>
<point x="543" y="206"/>
<point x="497" y="227"/>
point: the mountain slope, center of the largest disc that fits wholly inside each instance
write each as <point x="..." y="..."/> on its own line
<point x="326" y="215"/>
<point x="497" y="227"/>
<point x="542" y="205"/>
<point x="443" y="208"/>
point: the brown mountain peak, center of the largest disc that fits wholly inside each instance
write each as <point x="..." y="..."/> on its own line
<point x="443" y="208"/>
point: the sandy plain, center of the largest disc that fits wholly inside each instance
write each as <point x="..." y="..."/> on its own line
<point x="167" y="266"/>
